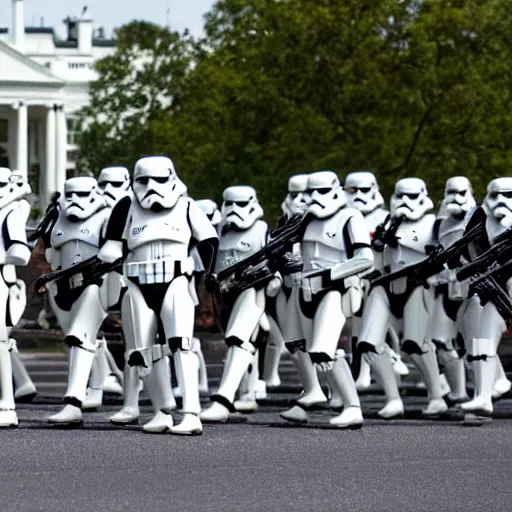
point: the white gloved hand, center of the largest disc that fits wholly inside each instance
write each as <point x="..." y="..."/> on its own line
<point x="274" y="286"/>
<point x="433" y="281"/>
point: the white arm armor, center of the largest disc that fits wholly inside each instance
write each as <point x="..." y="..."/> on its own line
<point x="111" y="251"/>
<point x="18" y="252"/>
<point x="360" y="262"/>
<point x="202" y="228"/>
<point x="362" y="257"/>
<point x="205" y="234"/>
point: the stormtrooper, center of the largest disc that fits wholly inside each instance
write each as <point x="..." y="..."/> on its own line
<point x="335" y="249"/>
<point x="14" y="251"/>
<point x="295" y="203"/>
<point x="153" y="232"/>
<point x="404" y="241"/>
<point x="449" y="294"/>
<point x="363" y="194"/>
<point x="241" y="234"/>
<point x="482" y="325"/>
<point x="211" y="210"/>
<point x="80" y="304"/>
<point x="114" y="182"/>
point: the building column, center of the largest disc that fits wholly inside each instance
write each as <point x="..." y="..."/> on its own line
<point x="48" y="181"/>
<point x="22" y="139"/>
<point x="41" y="156"/>
<point x="61" y="138"/>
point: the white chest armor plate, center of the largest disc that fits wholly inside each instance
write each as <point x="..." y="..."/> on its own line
<point x="77" y="241"/>
<point x="146" y="226"/>
<point x="237" y="245"/>
<point x="87" y="231"/>
<point x="450" y="230"/>
<point x="412" y="236"/>
<point x="323" y="245"/>
<point x="373" y="219"/>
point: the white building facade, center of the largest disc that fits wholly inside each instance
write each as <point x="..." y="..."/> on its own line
<point x="44" y="81"/>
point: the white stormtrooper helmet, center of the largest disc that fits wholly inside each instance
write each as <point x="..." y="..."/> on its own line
<point x="211" y="210"/>
<point x="13" y="186"/>
<point x="156" y="184"/>
<point x="296" y="201"/>
<point x="498" y="201"/>
<point x="240" y="207"/>
<point x="325" y="193"/>
<point x="115" y="183"/>
<point x="363" y="192"/>
<point x="410" y="199"/>
<point x="458" y="197"/>
<point x="82" y="198"/>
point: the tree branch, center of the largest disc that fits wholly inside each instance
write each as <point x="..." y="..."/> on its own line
<point x="414" y="143"/>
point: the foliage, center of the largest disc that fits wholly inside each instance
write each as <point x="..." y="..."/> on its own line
<point x="278" y="87"/>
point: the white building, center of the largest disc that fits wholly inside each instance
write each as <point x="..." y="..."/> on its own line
<point x="44" y="80"/>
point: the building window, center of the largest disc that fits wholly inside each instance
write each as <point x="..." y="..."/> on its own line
<point x="73" y="130"/>
<point x="4" y="130"/>
<point x="79" y="65"/>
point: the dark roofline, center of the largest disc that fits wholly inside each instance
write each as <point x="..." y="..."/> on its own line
<point x="38" y="30"/>
<point x="62" y="43"/>
<point x="31" y="30"/>
<point x="110" y="43"/>
<point x="106" y="43"/>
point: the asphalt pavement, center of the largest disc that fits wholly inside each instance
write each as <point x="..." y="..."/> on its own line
<point x="258" y="464"/>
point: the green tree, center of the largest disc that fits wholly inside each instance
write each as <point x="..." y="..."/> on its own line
<point x="138" y="82"/>
<point x="416" y="88"/>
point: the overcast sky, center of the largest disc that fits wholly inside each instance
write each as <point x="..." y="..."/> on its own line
<point x="111" y="13"/>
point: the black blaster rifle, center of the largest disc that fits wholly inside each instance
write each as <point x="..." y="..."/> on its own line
<point x="499" y="254"/>
<point x="268" y="256"/>
<point x="489" y="288"/>
<point x="385" y="233"/>
<point x="489" y="271"/>
<point x="92" y="268"/>
<point x="435" y="261"/>
<point x="50" y="217"/>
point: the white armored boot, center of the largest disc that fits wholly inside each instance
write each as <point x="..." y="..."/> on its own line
<point x="501" y="383"/>
<point x="453" y="369"/>
<point x="158" y="385"/>
<point x="312" y="395"/>
<point x="164" y="377"/>
<point x="426" y="362"/>
<point x="364" y="379"/>
<point x="80" y="362"/>
<point x="25" y="390"/>
<point x="272" y="358"/>
<point x="342" y="380"/>
<point x="482" y="356"/>
<point x="99" y="370"/>
<point x="203" y="373"/>
<point x="237" y="361"/>
<point x="8" y="417"/>
<point x="114" y="380"/>
<point x="380" y="362"/>
<point x="399" y="366"/>
<point x="187" y="363"/>
<point x="251" y="388"/>
<point x="334" y="397"/>
<point x="129" y="414"/>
